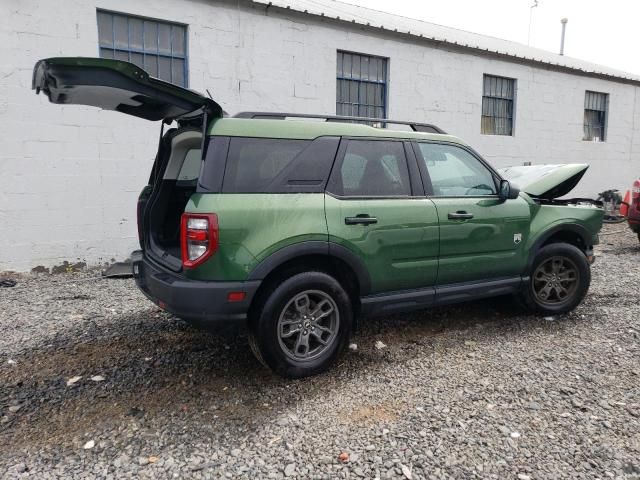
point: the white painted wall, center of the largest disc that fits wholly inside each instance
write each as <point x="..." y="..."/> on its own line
<point x="70" y="175"/>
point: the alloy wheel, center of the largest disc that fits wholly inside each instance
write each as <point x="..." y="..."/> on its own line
<point x="308" y="325"/>
<point x="555" y="280"/>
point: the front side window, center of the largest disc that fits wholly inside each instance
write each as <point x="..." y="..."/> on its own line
<point x="361" y="85"/>
<point x="372" y="168"/>
<point x="595" y="113"/>
<point x="455" y="172"/>
<point x="498" y="95"/>
<point x="156" y="46"/>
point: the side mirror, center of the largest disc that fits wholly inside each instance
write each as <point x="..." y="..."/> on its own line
<point x="507" y="191"/>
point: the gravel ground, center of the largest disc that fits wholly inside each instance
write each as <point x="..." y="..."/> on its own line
<point x="473" y="391"/>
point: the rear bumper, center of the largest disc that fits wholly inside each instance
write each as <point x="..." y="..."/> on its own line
<point x="191" y="299"/>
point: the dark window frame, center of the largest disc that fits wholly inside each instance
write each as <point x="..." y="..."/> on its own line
<point x="343" y="76"/>
<point x="595" y="103"/>
<point x="129" y="50"/>
<point x="409" y="163"/>
<point x="492" y="98"/>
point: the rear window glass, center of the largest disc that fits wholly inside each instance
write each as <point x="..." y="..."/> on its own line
<point x="372" y="168"/>
<point x="190" y="167"/>
<point x="253" y="163"/>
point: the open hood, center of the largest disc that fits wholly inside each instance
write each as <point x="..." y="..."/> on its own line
<point x="545" y="181"/>
<point x="119" y="86"/>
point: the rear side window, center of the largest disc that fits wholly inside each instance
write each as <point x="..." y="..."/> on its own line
<point x="372" y="168"/>
<point x="268" y="165"/>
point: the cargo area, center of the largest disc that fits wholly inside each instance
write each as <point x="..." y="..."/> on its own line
<point x="173" y="180"/>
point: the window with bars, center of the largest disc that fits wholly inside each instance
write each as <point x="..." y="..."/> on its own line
<point x="361" y="85"/>
<point x="158" y="47"/>
<point x="595" y="114"/>
<point x="498" y="94"/>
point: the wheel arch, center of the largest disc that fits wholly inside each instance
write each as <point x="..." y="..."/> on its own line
<point x="570" y="233"/>
<point x="328" y="257"/>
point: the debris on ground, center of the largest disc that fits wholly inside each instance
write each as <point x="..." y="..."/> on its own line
<point x="119" y="270"/>
<point x="73" y="380"/>
<point x="380" y="345"/>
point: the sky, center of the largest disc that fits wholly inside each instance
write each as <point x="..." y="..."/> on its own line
<point x="603" y="32"/>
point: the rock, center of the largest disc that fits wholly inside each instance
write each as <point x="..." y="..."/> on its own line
<point x="289" y="469"/>
<point x="515" y="435"/>
<point x="343" y="457"/>
<point x="142" y="461"/>
<point x="380" y="345"/>
<point x="89" y="445"/>
<point x="11" y="362"/>
<point x="97" y="378"/>
<point x="73" y="380"/>
<point x="523" y="476"/>
<point x="406" y="471"/>
<point x="153" y="459"/>
<point x="353" y="347"/>
<point x="20" y="467"/>
<point x="236" y="452"/>
<point x="14" y="408"/>
<point x="533" y="406"/>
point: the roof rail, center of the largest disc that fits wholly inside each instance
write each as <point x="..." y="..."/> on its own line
<point x="416" y="127"/>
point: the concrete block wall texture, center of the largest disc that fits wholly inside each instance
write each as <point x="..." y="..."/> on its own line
<point x="70" y="175"/>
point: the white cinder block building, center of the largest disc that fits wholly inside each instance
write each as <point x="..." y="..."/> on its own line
<point x="70" y="175"/>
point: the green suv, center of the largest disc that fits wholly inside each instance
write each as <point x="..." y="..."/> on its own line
<point x="301" y="225"/>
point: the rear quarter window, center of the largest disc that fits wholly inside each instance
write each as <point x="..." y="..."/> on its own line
<point x="269" y="165"/>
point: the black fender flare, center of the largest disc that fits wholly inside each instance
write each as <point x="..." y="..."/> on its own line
<point x="314" y="247"/>
<point x="581" y="231"/>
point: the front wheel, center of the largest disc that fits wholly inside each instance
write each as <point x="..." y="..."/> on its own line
<point x="301" y="325"/>
<point x="558" y="281"/>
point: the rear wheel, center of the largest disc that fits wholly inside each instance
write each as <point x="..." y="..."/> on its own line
<point x="301" y="325"/>
<point x="559" y="280"/>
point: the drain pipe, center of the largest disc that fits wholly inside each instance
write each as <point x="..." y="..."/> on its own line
<point x="564" y="28"/>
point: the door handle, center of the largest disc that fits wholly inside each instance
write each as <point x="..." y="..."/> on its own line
<point x="460" y="215"/>
<point x="360" y="219"/>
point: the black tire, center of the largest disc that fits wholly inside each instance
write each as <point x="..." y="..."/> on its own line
<point x="266" y="334"/>
<point x="535" y="289"/>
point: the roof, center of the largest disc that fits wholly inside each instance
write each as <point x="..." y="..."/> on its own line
<point x="309" y="129"/>
<point x="451" y="37"/>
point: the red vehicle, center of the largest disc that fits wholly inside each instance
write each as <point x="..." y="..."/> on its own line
<point x="633" y="210"/>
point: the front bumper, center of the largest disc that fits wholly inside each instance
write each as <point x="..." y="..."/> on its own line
<point x="191" y="299"/>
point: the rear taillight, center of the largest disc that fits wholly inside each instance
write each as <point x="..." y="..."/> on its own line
<point x="198" y="238"/>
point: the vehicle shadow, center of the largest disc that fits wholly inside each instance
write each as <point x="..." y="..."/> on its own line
<point x="157" y="368"/>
